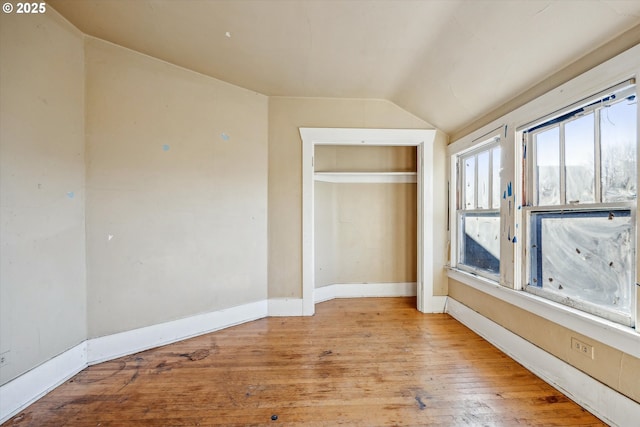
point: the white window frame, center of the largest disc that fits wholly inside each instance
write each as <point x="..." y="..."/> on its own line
<point x="531" y="206"/>
<point x="622" y="90"/>
<point x="487" y="145"/>
<point x="623" y="66"/>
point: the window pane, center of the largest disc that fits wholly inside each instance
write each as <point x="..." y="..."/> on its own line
<point x="483" y="180"/>
<point x="548" y="167"/>
<point x="584" y="257"/>
<point x="618" y="151"/>
<point x="495" y="203"/>
<point x="480" y="245"/>
<point x="469" y="182"/>
<point x="579" y="159"/>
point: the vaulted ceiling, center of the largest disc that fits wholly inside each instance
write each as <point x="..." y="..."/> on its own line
<point x="446" y="61"/>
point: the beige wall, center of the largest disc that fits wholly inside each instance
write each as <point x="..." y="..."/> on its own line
<point x="286" y="116"/>
<point x="42" y="190"/>
<point x="176" y="211"/>
<point x="348" y="158"/>
<point x="612" y="367"/>
<point x="325" y="234"/>
<point x="375" y="233"/>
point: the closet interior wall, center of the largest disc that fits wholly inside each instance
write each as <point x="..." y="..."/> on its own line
<point x="365" y="232"/>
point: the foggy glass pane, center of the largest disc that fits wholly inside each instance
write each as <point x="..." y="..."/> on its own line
<point x="495" y="203"/>
<point x="584" y="256"/>
<point x="469" y="182"/>
<point x="548" y="167"/>
<point x="618" y="124"/>
<point x="483" y="180"/>
<point x="579" y="159"/>
<point x="480" y="245"/>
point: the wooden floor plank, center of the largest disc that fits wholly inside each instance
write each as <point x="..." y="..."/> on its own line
<point x="370" y="361"/>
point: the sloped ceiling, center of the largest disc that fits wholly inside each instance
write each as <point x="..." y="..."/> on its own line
<point x="448" y="62"/>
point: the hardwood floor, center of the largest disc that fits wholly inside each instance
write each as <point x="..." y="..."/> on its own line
<point x="372" y="361"/>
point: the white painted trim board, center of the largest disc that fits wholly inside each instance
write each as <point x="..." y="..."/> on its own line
<point x="17" y="394"/>
<point x="363" y="290"/>
<point x="367" y="177"/>
<point x="31" y="386"/>
<point x="620" y="337"/>
<point x="121" y="344"/>
<point x="285" y="307"/>
<point x="21" y="392"/>
<point x="424" y="140"/>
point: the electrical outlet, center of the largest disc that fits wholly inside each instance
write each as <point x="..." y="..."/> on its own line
<point x="582" y="348"/>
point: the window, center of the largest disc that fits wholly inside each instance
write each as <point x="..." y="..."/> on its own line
<point x="581" y="205"/>
<point x="479" y="210"/>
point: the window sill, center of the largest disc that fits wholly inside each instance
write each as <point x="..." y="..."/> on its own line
<point x="620" y="337"/>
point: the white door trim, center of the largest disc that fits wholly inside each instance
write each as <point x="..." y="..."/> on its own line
<point x="423" y="139"/>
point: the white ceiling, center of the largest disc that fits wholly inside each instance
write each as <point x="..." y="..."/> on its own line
<point x="446" y="61"/>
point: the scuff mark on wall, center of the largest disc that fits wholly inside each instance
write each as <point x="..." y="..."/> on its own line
<point x="543" y="9"/>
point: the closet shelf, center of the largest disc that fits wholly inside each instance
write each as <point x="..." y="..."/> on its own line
<point x="366" y="177"/>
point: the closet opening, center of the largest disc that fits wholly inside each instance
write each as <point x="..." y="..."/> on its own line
<point x="368" y="222"/>
<point x="365" y="221"/>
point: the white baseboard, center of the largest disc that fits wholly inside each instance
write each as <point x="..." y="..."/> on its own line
<point x="283" y="307"/>
<point x="29" y="387"/>
<point x="124" y="343"/>
<point x="435" y="304"/>
<point x="602" y="401"/>
<point x="21" y="392"/>
<point x="364" y="290"/>
<point x="612" y="334"/>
